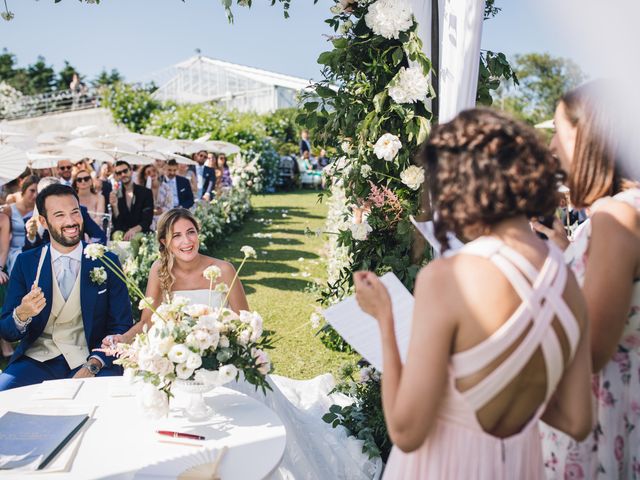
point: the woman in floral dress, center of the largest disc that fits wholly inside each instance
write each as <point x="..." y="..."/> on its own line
<point x="605" y="257"/>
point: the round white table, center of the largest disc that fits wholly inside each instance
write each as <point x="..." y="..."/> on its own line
<point x="120" y="441"/>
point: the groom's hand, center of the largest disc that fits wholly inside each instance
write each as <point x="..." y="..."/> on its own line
<point x="84" y="372"/>
<point x="32" y="304"/>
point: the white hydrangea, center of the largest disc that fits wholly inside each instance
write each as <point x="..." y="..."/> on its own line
<point x="365" y="171"/>
<point x="388" y="18"/>
<point x="413" y="177"/>
<point x="360" y="231"/>
<point x="409" y="85"/>
<point x="387" y="147"/>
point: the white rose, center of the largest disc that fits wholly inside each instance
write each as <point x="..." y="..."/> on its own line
<point x="388" y="18"/>
<point x="161" y="345"/>
<point x="365" y="171"/>
<point x="360" y="231"/>
<point x="227" y="373"/>
<point x="387" y="147"/>
<point x="409" y="85"/>
<point x="244" y="337"/>
<point x="413" y="177"/>
<point x="196" y="310"/>
<point x="224" y="341"/>
<point x="95" y="251"/>
<point x="183" y="372"/>
<point x="179" y="353"/>
<point x="146" y="302"/>
<point x="162" y="366"/>
<point x="154" y="403"/>
<point x="193" y="361"/>
<point x="207" y="377"/>
<point x="256" y="326"/>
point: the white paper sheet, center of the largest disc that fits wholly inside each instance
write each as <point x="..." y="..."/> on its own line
<point x="361" y="330"/>
<point x="58" y="390"/>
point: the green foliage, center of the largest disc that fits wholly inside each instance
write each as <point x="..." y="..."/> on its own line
<point x="364" y="418"/>
<point x="131" y="106"/>
<point x="282" y="128"/>
<point x="543" y="79"/>
<point x="105" y="79"/>
<point x="42" y="77"/>
<point x="495" y="70"/>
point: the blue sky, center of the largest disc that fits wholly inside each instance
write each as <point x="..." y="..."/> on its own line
<point x="140" y="37"/>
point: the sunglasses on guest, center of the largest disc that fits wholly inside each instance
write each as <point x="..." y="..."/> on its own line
<point x="83" y="179"/>
<point x="65" y="167"/>
<point x="121" y="172"/>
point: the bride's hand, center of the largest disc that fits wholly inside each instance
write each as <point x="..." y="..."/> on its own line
<point x="110" y="341"/>
<point x="372" y="296"/>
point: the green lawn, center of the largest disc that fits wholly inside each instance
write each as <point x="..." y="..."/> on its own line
<point x="282" y="282"/>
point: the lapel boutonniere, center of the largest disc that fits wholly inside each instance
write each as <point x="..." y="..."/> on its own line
<point x="98" y="275"/>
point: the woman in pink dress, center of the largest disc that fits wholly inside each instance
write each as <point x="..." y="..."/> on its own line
<point x="605" y="257"/>
<point x="500" y="335"/>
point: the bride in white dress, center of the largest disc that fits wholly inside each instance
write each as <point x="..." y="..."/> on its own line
<point x="314" y="449"/>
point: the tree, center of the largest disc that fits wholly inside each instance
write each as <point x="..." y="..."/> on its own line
<point x="42" y="77"/>
<point x="543" y="79"/>
<point x="65" y="76"/>
<point x="105" y="78"/>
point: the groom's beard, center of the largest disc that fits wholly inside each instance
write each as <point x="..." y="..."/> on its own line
<point x="65" y="240"/>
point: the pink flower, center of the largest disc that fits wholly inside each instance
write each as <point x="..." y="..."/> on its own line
<point x="619" y="448"/>
<point x="573" y="471"/>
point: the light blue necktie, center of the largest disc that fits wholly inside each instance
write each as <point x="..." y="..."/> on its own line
<point x="66" y="278"/>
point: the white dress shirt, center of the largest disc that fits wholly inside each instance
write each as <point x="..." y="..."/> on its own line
<point x="174" y="189"/>
<point x="76" y="260"/>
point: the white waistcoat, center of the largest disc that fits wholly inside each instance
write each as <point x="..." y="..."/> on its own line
<point x="64" y="332"/>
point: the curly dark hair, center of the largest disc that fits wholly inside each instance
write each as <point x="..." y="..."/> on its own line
<point x="483" y="167"/>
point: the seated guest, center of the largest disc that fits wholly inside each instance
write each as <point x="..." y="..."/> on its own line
<point x="20" y="213"/>
<point x="223" y="174"/>
<point x="180" y="187"/>
<point x="131" y="204"/>
<point x="162" y="196"/>
<point x="89" y="198"/>
<point x="37" y="235"/>
<point x="500" y="334"/>
<point x="53" y="306"/>
<point x="323" y="160"/>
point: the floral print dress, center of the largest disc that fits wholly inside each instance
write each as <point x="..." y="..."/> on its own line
<point x="612" y="451"/>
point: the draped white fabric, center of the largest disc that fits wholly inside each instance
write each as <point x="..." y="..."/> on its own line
<point x="460" y="36"/>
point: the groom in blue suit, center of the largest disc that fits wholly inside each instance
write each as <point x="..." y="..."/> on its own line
<point x="60" y="304"/>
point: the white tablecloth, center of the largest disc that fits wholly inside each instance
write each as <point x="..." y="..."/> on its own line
<point x="121" y="441"/>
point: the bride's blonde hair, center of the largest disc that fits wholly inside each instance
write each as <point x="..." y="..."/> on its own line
<point x="165" y="230"/>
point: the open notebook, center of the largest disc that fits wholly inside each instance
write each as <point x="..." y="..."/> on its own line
<point x="361" y="330"/>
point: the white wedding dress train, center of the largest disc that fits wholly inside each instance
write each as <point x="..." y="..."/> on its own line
<point x="315" y="450"/>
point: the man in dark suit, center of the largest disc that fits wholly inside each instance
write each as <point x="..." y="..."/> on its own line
<point x="305" y="145"/>
<point x="180" y="186"/>
<point x="58" y="306"/>
<point x="205" y="175"/>
<point x="131" y="204"/>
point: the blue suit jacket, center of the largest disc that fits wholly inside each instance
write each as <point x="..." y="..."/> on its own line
<point x="208" y="180"/>
<point x="185" y="194"/>
<point x="106" y="308"/>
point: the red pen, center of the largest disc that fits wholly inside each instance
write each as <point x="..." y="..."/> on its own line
<point x="190" y="436"/>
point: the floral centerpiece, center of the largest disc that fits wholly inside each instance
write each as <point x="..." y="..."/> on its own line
<point x="191" y="344"/>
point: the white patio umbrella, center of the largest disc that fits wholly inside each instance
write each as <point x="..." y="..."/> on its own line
<point x="546" y="125"/>
<point x="204" y="138"/>
<point x="110" y="150"/>
<point x="5" y="135"/>
<point x="189" y="147"/>
<point x="218" y="146"/>
<point x="48" y="156"/>
<point x="167" y="156"/>
<point x="85" y="131"/>
<point x="54" y="138"/>
<point x="13" y="162"/>
<point x="147" y="142"/>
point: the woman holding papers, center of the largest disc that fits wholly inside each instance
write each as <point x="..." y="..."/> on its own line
<point x="605" y="256"/>
<point x="500" y="335"/>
